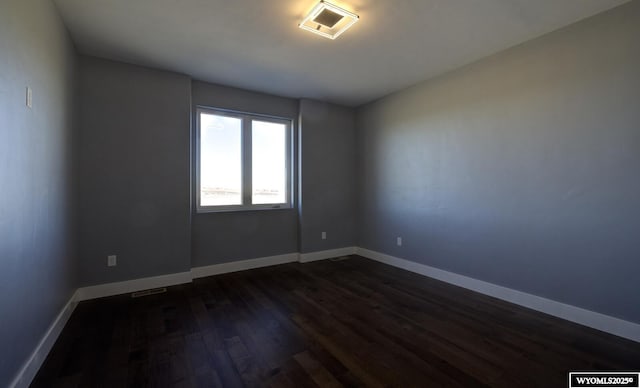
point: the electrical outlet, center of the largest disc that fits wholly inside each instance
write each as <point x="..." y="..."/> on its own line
<point x="112" y="261"/>
<point x="324" y="235"/>
<point x="399" y="241"/>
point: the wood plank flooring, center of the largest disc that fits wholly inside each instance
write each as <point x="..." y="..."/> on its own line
<point x="347" y="323"/>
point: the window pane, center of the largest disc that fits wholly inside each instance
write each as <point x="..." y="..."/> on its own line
<point x="269" y="164"/>
<point x="220" y="160"/>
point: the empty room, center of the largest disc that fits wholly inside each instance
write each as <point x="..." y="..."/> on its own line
<point x="309" y="193"/>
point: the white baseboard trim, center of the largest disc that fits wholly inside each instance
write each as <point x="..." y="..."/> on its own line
<point x="125" y="287"/>
<point x="571" y="313"/>
<point x="34" y="362"/>
<point x="328" y="254"/>
<point x="242" y="265"/>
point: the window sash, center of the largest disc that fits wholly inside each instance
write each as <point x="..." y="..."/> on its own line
<point x="246" y="164"/>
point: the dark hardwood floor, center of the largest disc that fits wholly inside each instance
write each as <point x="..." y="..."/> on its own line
<point x="344" y="323"/>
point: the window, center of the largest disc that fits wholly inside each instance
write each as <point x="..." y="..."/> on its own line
<point x="243" y="161"/>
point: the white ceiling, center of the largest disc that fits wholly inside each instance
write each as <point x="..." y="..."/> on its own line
<point x="256" y="44"/>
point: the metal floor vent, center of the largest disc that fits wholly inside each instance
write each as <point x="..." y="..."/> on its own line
<point x="339" y="258"/>
<point x="152" y="291"/>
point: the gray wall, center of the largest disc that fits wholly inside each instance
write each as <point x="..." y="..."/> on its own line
<point x="134" y="171"/>
<point x="521" y="170"/>
<point x="328" y="176"/>
<point x="224" y="237"/>
<point x="135" y="176"/>
<point x="37" y="230"/>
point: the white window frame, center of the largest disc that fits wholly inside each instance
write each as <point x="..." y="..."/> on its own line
<point x="246" y="167"/>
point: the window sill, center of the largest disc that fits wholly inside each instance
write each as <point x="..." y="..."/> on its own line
<point x="234" y="209"/>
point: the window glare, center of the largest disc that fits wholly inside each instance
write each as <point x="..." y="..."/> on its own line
<point x="220" y="160"/>
<point x="269" y="162"/>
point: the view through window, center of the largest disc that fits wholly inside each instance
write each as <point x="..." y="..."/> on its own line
<point x="269" y="162"/>
<point x="244" y="161"/>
